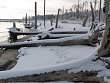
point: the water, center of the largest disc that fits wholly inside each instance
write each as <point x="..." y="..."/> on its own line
<point x="4" y="28"/>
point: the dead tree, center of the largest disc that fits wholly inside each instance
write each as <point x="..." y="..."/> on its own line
<point x="105" y="45"/>
<point x="93" y="17"/>
<point x="26" y="19"/>
<point x="77" y="10"/>
<point x="100" y="11"/>
<point x="56" y="26"/>
<point x="85" y="20"/>
<point x="35" y="15"/>
<point x="95" y="4"/>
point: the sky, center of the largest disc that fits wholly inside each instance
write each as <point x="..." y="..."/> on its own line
<point x="15" y="9"/>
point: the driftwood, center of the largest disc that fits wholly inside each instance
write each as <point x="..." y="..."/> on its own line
<point x="51" y="29"/>
<point x="77" y="40"/>
<point x="45" y="43"/>
<point x="52" y="32"/>
<point x="53" y="36"/>
<point x="13" y="35"/>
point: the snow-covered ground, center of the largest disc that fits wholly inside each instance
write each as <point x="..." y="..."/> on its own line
<point x="36" y="60"/>
<point x="46" y="59"/>
<point x="41" y="57"/>
<point x="70" y="26"/>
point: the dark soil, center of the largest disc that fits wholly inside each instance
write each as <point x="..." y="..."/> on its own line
<point x="85" y="77"/>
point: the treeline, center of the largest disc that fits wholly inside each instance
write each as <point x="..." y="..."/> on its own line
<point x="40" y="17"/>
<point x="76" y="11"/>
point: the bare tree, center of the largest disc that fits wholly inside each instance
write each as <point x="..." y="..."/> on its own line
<point x="100" y="10"/>
<point x="95" y="3"/>
<point x="77" y="10"/>
<point x="93" y="17"/>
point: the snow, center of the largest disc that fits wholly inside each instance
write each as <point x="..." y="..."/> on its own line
<point x="70" y="26"/>
<point x="47" y="34"/>
<point x="42" y="56"/>
<point x="47" y="26"/>
<point x="100" y="26"/>
<point x="13" y="29"/>
<point x="44" y="34"/>
<point x="40" y="42"/>
<point x="36" y="60"/>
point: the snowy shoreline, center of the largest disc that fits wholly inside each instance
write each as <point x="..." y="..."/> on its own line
<point x="44" y="59"/>
<point x="63" y="66"/>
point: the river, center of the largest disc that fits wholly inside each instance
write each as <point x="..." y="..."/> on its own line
<point x="4" y="28"/>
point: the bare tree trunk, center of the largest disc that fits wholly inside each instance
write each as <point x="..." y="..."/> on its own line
<point x="95" y="4"/>
<point x="78" y="15"/>
<point x="100" y="10"/>
<point x="26" y="19"/>
<point x="85" y="20"/>
<point x="93" y="17"/>
<point x="105" y="45"/>
<point x="56" y="26"/>
<point x="35" y="15"/>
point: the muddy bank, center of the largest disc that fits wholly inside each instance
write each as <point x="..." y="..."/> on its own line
<point x="86" y="77"/>
<point x="8" y="57"/>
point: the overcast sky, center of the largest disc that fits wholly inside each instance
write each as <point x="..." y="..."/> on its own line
<point x="18" y="8"/>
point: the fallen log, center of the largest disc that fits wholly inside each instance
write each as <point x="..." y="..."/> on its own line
<point x="47" y="35"/>
<point x="14" y="34"/>
<point x="52" y="32"/>
<point x="78" y="40"/>
<point x="86" y="39"/>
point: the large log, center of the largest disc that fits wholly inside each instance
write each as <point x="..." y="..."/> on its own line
<point x="46" y="35"/>
<point x="52" y="32"/>
<point x="78" y="40"/>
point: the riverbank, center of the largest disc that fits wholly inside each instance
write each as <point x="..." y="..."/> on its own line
<point x="8" y="58"/>
<point x="79" y="77"/>
<point x="86" y="70"/>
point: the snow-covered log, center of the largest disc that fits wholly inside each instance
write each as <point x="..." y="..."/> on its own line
<point x="85" y="39"/>
<point x="47" y="35"/>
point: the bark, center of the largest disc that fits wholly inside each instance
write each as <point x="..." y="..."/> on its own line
<point x="45" y="43"/>
<point x="85" y="20"/>
<point x="13" y="35"/>
<point x="100" y="11"/>
<point x="93" y="17"/>
<point x="53" y="36"/>
<point x="56" y="26"/>
<point x="105" y="45"/>
<point x="56" y="42"/>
